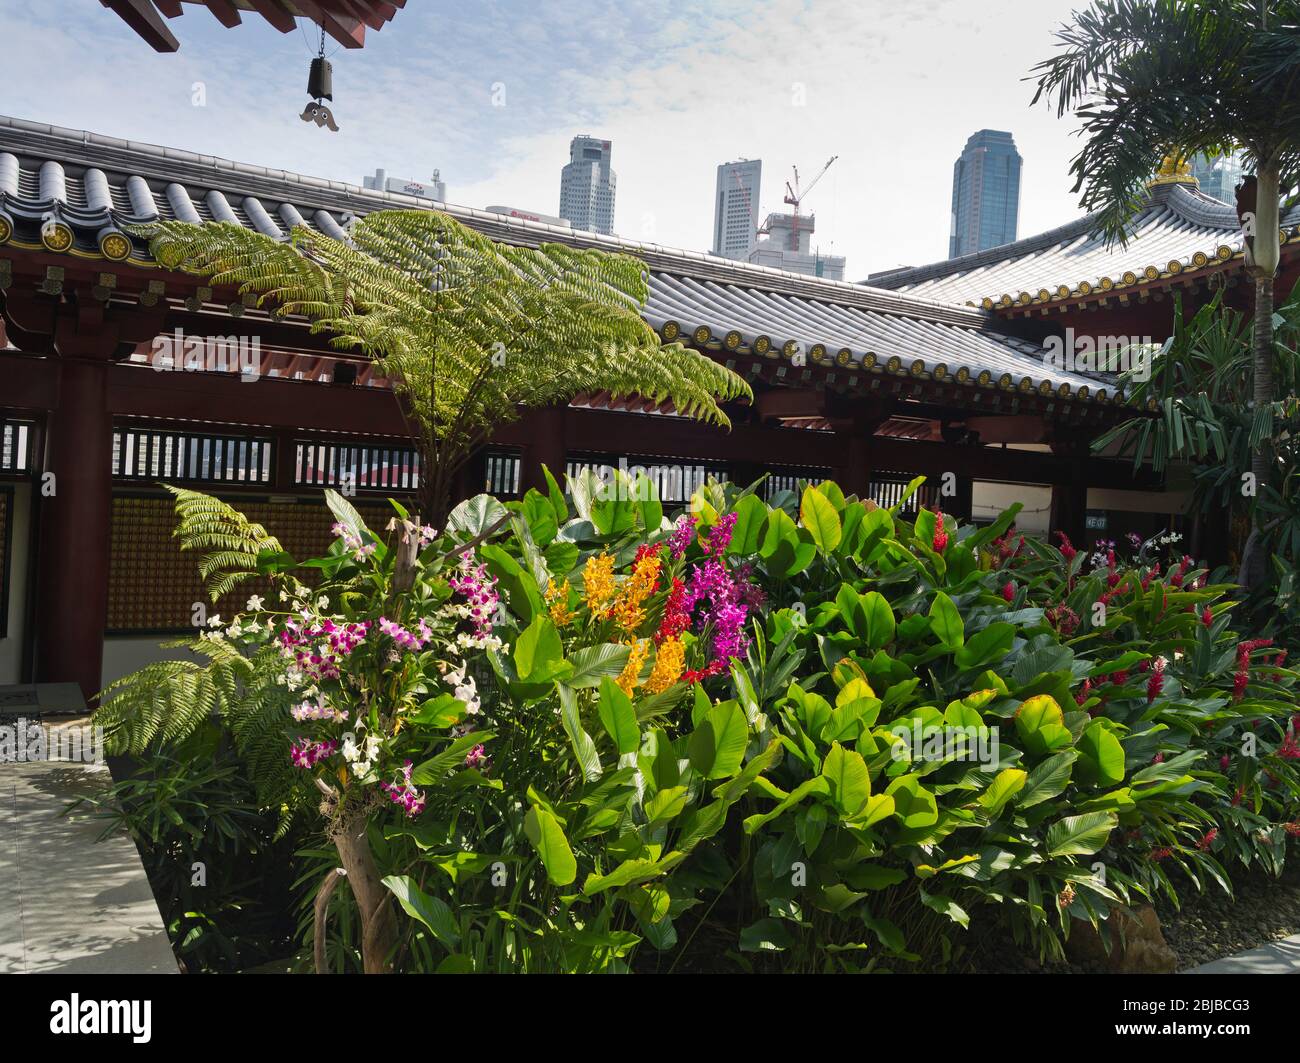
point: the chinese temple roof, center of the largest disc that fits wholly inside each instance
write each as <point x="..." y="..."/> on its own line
<point x="1179" y="232"/>
<point x="72" y="192"/>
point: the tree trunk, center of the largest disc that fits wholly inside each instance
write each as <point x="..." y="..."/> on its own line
<point x="1263" y="253"/>
<point x="378" y="921"/>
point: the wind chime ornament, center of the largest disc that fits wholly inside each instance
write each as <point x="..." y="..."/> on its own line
<point x="320" y="86"/>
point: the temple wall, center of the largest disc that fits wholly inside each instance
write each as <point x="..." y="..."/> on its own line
<point x="15" y="543"/>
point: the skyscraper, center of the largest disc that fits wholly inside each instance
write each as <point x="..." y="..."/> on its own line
<point x="735" y="210"/>
<point x="985" y="193"/>
<point x="587" y="185"/>
<point x="1218" y="175"/>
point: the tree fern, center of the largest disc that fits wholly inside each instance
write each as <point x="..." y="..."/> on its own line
<point x="469" y="331"/>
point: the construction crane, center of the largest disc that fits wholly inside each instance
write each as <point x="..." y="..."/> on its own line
<point x="795" y="197"/>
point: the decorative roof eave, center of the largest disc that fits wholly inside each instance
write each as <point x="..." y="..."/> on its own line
<point x="866" y="374"/>
<point x="1151" y="277"/>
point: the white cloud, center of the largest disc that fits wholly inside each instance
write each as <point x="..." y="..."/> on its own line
<point x="678" y="87"/>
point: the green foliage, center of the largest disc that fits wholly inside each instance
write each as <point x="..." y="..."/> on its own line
<point x="468" y="330"/>
<point x="932" y="731"/>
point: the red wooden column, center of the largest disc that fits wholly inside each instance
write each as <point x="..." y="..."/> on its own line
<point x="72" y="576"/>
<point x="545" y="444"/>
<point x="1070" y="498"/>
<point x="855" y="470"/>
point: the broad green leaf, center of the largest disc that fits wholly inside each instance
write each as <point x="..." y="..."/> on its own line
<point x="879" y="620"/>
<point x="592" y="664"/>
<point x="913" y="803"/>
<point x="986" y="646"/>
<point x="548" y="838"/>
<point x="474" y="516"/>
<point x="751" y="515"/>
<point x="584" y="749"/>
<point x="627" y="873"/>
<point x="538" y="649"/>
<point x="1005" y="786"/>
<point x="1048" y="779"/>
<point x="816" y="785"/>
<point x="947" y="622"/>
<point x="1080" y="835"/>
<point x="666" y="804"/>
<point x="945" y="906"/>
<point x="717" y="746"/>
<point x="540" y="516"/>
<point x="849" y="780"/>
<point x="429" y="910"/>
<point x="1101" y="757"/>
<point x="435" y="768"/>
<point x="767" y="935"/>
<point x="618" y="717"/>
<point x="818" y="515"/>
<point x="556" y="497"/>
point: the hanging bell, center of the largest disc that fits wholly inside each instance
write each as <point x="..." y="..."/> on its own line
<point x="320" y="82"/>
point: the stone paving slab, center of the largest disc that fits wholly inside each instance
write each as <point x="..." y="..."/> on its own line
<point x="1277" y="957"/>
<point x="70" y="904"/>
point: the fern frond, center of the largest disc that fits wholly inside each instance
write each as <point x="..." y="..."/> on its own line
<point x="233" y="542"/>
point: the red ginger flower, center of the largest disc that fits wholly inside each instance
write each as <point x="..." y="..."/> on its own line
<point x="1008" y="591"/>
<point x="1157" y="681"/>
<point x="1067" y="548"/>
<point x="940" y="541"/>
<point x="1205" y="843"/>
<point x="1207" y="617"/>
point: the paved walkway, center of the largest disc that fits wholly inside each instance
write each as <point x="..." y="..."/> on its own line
<point x="1277" y="957"/>
<point x="69" y="904"/>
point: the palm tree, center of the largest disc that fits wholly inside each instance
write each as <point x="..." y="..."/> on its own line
<point x="1155" y="78"/>
<point x="469" y="331"/>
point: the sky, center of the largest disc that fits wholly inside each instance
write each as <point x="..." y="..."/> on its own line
<point x="491" y="92"/>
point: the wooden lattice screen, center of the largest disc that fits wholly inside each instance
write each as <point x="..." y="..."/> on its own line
<point x="153" y="585"/>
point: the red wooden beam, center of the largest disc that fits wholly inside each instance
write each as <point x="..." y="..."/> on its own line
<point x="141" y="16"/>
<point x="137" y="391"/>
<point x="31" y="383"/>
<point x="276" y="14"/>
<point x="225" y="12"/>
<point x="346" y="30"/>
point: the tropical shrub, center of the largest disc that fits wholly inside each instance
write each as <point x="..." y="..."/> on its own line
<point x="564" y="729"/>
<point x="1182" y="682"/>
